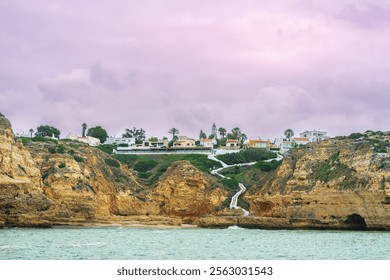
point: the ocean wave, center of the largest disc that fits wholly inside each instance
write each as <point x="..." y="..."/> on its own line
<point x="96" y="244"/>
<point x="235" y="227"/>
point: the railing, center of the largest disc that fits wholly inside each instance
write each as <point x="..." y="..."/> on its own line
<point x="165" y="151"/>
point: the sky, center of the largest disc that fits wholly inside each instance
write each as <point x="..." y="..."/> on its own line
<point x="262" y="66"/>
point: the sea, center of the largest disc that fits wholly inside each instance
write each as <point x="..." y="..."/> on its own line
<point x="121" y="243"/>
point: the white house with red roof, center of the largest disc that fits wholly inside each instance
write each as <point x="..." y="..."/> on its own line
<point x="208" y="143"/>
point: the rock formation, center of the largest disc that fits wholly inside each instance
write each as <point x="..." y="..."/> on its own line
<point x="186" y="192"/>
<point x="22" y="200"/>
<point x="330" y="182"/>
<point x="334" y="184"/>
<point x="70" y="183"/>
<point x="338" y="184"/>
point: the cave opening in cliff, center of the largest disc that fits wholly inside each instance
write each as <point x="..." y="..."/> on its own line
<point x="355" y="221"/>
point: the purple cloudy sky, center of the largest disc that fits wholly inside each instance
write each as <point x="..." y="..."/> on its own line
<point x="263" y="66"/>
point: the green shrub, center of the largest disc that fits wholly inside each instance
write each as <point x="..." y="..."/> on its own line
<point x="129" y="160"/>
<point x="71" y="152"/>
<point x="331" y="169"/>
<point x="25" y="140"/>
<point x="43" y="139"/>
<point x="62" y="165"/>
<point x="267" y="166"/>
<point x="202" y="162"/>
<point x="78" y="159"/>
<point x="231" y="184"/>
<point x="106" y="148"/>
<point x="143" y="166"/>
<point x="112" y="162"/>
<point x="60" y="149"/>
<point x="248" y="155"/>
<point x="144" y="175"/>
<point x="355" y="135"/>
<point x="380" y="150"/>
<point x="375" y="141"/>
<point x="74" y="146"/>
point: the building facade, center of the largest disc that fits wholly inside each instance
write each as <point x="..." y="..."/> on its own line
<point x="120" y="141"/>
<point x="209" y="143"/>
<point x="184" y="142"/>
<point x="231" y="144"/>
<point x="314" y="135"/>
<point x="259" y="144"/>
<point x="91" y="141"/>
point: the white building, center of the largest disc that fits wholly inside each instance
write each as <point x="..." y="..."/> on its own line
<point x="163" y="143"/>
<point x="120" y="141"/>
<point x="91" y="141"/>
<point x="208" y="143"/>
<point x="314" y="135"/>
<point x="301" y="141"/>
<point x="285" y="144"/>
<point x="22" y="134"/>
<point x="232" y="144"/>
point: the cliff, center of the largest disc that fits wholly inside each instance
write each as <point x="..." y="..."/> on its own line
<point x="22" y="200"/>
<point x="84" y="186"/>
<point x="52" y="182"/>
<point x="334" y="184"/>
<point x="186" y="192"/>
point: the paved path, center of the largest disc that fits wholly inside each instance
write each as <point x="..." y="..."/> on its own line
<point x="234" y="201"/>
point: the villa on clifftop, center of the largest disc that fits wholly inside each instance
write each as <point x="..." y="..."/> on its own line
<point x="91" y="141"/>
<point x="184" y="141"/>
<point x="314" y="135"/>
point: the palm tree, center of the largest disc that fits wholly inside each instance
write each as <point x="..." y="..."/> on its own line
<point x="174" y="132"/>
<point x="289" y="133"/>
<point x="31" y="132"/>
<point x="84" y="125"/>
<point x="222" y="132"/>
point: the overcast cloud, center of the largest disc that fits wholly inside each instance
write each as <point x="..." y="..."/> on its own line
<point x="261" y="65"/>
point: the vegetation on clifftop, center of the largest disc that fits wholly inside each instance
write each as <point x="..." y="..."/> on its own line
<point x="151" y="167"/>
<point x="248" y="155"/>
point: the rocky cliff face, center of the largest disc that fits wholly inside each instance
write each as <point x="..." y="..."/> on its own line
<point x="70" y="183"/>
<point x="343" y="184"/>
<point x="22" y="200"/>
<point x="331" y="184"/>
<point x="186" y="192"/>
<point x="84" y="187"/>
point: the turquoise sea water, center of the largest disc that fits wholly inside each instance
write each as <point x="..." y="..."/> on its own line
<point x="190" y="244"/>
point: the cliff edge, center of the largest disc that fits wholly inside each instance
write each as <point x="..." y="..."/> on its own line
<point x="22" y="199"/>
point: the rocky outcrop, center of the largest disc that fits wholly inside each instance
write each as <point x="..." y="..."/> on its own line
<point x="334" y="184"/>
<point x="86" y="185"/>
<point x="69" y="183"/>
<point x="328" y="184"/>
<point x="186" y="192"/>
<point x="22" y="200"/>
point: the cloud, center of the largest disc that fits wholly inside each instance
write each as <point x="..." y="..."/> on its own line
<point x="260" y="66"/>
<point x="367" y="16"/>
<point x="10" y="102"/>
<point x="70" y="86"/>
